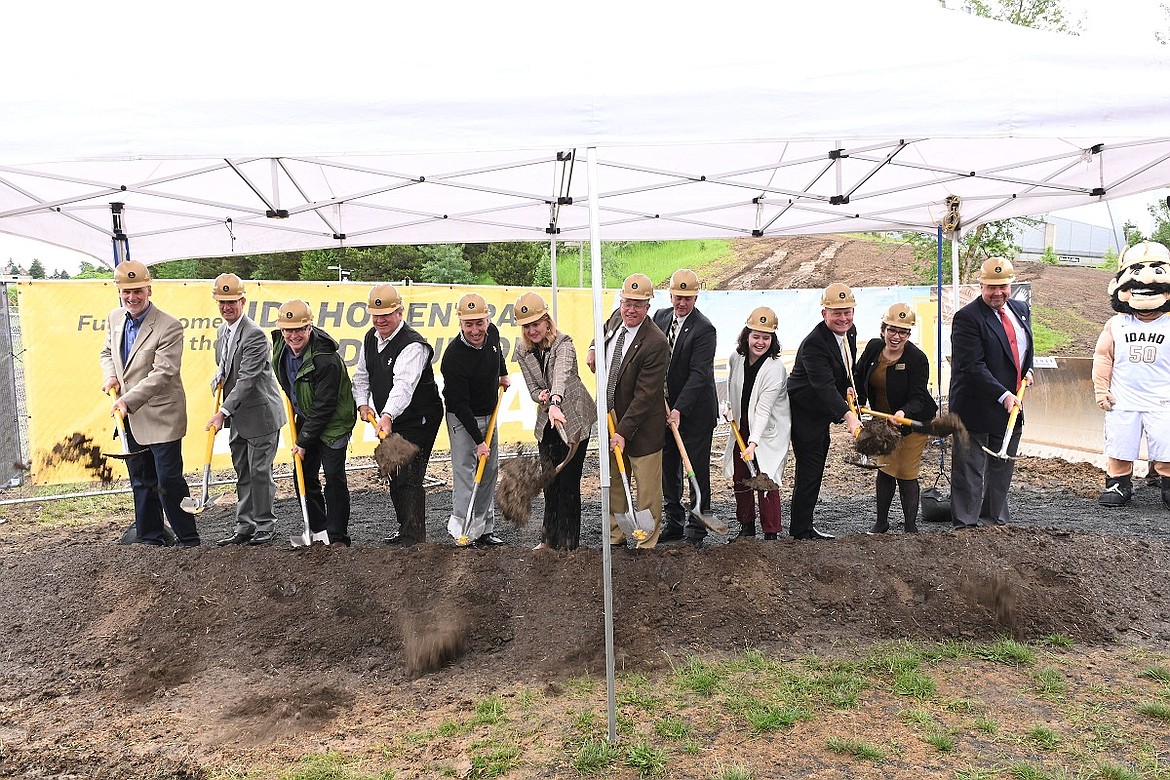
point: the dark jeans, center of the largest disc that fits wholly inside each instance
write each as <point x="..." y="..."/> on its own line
<point x="328" y="510"/>
<point x="156" y="478"/>
<point x="407" y="493"/>
<point x="810" y="446"/>
<point x="562" y="497"/>
<point x="697" y="439"/>
<point x="980" y="482"/>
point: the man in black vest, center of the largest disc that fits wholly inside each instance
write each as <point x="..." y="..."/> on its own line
<point x="394" y="382"/>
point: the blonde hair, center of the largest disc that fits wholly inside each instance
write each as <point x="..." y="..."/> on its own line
<point x="549" y="337"/>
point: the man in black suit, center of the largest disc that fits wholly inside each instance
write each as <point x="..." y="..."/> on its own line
<point x="818" y="389"/>
<point x="694" y="405"/>
<point x="991" y="352"/>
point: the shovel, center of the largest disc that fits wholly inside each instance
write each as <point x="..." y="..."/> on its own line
<point x="307" y="535"/>
<point x="125" y="454"/>
<point x="757" y="481"/>
<point x="637" y="524"/>
<point x="465" y="530"/>
<point x="1011" y="423"/>
<point x="189" y="504"/>
<point x="940" y="425"/>
<point x="713" y="523"/>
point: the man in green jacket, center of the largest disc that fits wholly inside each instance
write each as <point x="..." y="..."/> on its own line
<point x="313" y="376"/>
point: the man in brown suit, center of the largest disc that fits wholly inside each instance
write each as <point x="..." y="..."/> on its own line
<point x="141" y="360"/>
<point x="637" y="355"/>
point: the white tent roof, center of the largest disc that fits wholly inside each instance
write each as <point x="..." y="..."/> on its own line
<point x="468" y="125"/>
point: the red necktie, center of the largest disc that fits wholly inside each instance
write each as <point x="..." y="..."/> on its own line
<point x="1010" y="330"/>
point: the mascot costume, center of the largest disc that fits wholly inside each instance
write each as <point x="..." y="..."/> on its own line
<point x="1131" y="371"/>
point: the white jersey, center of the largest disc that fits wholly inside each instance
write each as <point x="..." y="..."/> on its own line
<point x="1141" y="363"/>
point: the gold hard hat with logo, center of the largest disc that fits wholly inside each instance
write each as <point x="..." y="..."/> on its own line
<point x="684" y="282"/>
<point x="838" y="296"/>
<point x="997" y="270"/>
<point x="763" y="319"/>
<point x="471" y="306"/>
<point x="131" y="274"/>
<point x="294" y="314"/>
<point x="227" y="287"/>
<point x="899" y="315"/>
<point x="637" y="287"/>
<point x="529" y="307"/>
<point x="383" y="299"/>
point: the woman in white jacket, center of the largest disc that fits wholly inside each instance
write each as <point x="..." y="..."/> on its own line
<point x="757" y="399"/>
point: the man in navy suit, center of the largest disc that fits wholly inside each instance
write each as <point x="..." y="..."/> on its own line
<point x="818" y="392"/>
<point x="991" y="353"/>
<point x="694" y="405"/>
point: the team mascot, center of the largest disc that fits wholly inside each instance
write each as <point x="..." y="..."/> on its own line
<point x="1131" y="371"/>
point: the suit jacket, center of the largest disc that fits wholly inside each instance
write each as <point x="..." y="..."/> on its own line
<point x="981" y="364"/>
<point x="637" y="399"/>
<point x="818" y="381"/>
<point x="769" y="415"/>
<point x="690" y="377"/>
<point x="251" y="397"/>
<point x="151" y="385"/>
<point x="561" y="379"/>
<point x="906" y="380"/>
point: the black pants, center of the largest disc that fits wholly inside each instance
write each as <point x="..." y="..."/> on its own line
<point x="156" y="479"/>
<point x="562" y="497"/>
<point x="328" y="509"/>
<point x="407" y="493"/>
<point x="810" y="446"/>
<point x="697" y="439"/>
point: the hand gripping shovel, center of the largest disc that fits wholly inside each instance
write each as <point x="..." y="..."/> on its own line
<point x="1011" y="424"/>
<point x="712" y="522"/>
<point x="189" y="504"/>
<point x="465" y="530"/>
<point x="125" y="454"/>
<point x="758" y="481"/>
<point x="637" y="524"/>
<point x="307" y="535"/>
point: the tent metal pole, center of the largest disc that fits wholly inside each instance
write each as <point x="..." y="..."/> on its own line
<point x="552" y="264"/>
<point x="121" y="241"/>
<point x="955" y="237"/>
<point x="602" y="435"/>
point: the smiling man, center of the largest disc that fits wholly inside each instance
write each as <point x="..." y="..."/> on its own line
<point x="141" y="358"/>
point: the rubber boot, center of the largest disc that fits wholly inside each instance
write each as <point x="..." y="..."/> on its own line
<point x="747" y="530"/>
<point x="1166" y="492"/>
<point x="1119" y="490"/>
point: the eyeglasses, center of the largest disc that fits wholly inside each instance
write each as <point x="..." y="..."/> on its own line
<point x="635" y="304"/>
<point x="304" y="329"/>
<point x="897" y="331"/>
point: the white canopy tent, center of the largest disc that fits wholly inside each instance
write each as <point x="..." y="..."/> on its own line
<point x="464" y="125"/>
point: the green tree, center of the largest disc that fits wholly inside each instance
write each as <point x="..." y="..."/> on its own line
<point x="91" y="271"/>
<point x="36" y="270"/>
<point x="315" y="266"/>
<point x="446" y="265"/>
<point x="1160" y="211"/>
<point x="12" y="267"/>
<point x="1109" y="259"/>
<point x="174" y="269"/>
<point x="991" y="239"/>
<point x="1132" y="234"/>
<point x="279" y="266"/>
<point x="1049" y="257"/>
<point x="514" y="263"/>
<point x="1040" y="14"/>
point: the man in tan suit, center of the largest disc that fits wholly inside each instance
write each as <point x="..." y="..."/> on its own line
<point x="637" y="355"/>
<point x="141" y="360"/>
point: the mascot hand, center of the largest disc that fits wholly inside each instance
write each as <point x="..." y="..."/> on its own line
<point x="1106" y="401"/>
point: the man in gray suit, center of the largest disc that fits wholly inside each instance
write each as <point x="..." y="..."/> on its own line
<point x="140" y="360"/>
<point x="251" y="408"/>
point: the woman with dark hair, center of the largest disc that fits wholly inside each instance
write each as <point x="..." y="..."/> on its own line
<point x="548" y="361"/>
<point x="757" y="399"/>
<point x="892" y="377"/>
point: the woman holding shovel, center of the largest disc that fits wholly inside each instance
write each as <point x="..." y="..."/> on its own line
<point x="548" y="361"/>
<point x="757" y="406"/>
<point x="892" y="378"/>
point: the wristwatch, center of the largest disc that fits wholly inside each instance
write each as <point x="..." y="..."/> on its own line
<point x="555" y="400"/>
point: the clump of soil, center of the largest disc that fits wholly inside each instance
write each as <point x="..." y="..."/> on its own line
<point x="392" y="453"/>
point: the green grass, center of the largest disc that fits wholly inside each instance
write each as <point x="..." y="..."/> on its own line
<point x="1059" y="641"/>
<point x="855" y="748"/>
<point x="648" y="761"/>
<point x="698" y="676"/>
<point x="770" y="717"/>
<point x="672" y="727"/>
<point x="986" y="725"/>
<point x="1048" y="340"/>
<point x="942" y="741"/>
<point x="1006" y="651"/>
<point x="656" y="259"/>
<point x="976" y="773"/>
<point x="1156" y="673"/>
<point x="1155" y="710"/>
<point x="1115" y="772"/>
<point x="1050" y="683"/>
<point x="488" y="712"/>
<point x="595" y="756"/>
<point x="1044" y="738"/>
<point x="913" y="683"/>
<point x="329" y="766"/>
<point x="492" y="758"/>
<point x="734" y="772"/>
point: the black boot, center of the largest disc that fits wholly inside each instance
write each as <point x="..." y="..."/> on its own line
<point x="1119" y="490"/>
<point x="884" y="487"/>
<point x="1166" y="492"/>
<point x="909" y="493"/>
<point x="747" y="530"/>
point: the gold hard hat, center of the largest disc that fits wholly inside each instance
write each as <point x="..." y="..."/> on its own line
<point x="383" y="299"/>
<point x="997" y="270"/>
<point x="227" y="287"/>
<point x="684" y="282"/>
<point x="294" y="314"/>
<point x="1145" y="252"/>
<point x="471" y="306"/>
<point x="838" y="296"/>
<point x="529" y="307"/>
<point x="131" y="274"/>
<point x="763" y="319"/>
<point x="637" y="287"/>
<point x="899" y="316"/>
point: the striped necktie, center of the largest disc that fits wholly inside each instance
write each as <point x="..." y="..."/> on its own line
<point x="611" y="383"/>
<point x="672" y="334"/>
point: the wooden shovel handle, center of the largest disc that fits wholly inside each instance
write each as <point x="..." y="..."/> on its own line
<point x="490" y="431"/>
<point x="617" y="451"/>
<point x="682" y="450"/>
<point x="292" y="428"/>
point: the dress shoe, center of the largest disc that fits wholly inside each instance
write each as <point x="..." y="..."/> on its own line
<point x="235" y="539"/>
<point x="670" y="533"/>
<point x="188" y="544"/>
<point x="769" y="537"/>
<point x="262" y="537"/>
<point x="815" y="534"/>
<point x="697" y="543"/>
<point x="397" y="540"/>
<point x="878" y="528"/>
<point x="490" y="540"/>
<point x="964" y="526"/>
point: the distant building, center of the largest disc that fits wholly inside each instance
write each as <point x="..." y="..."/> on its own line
<point x="1075" y="243"/>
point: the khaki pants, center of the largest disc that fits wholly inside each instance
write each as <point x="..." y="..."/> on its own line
<point x="645" y="475"/>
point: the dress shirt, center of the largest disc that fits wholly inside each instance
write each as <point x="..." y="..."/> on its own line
<point x="408" y="370"/>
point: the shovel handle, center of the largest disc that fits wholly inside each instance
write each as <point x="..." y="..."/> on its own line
<point x="211" y="433"/>
<point x="896" y="418"/>
<point x="682" y="450"/>
<point x="372" y="420"/>
<point x="490" y="433"/>
<point x="292" y="427"/>
<point x="1015" y="412"/>
<point x="617" y="451"/>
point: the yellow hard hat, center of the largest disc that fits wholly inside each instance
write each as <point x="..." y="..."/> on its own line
<point x="131" y="274"/>
<point x="899" y="316"/>
<point x="471" y="306"/>
<point x="1145" y="252"/>
<point x="227" y="287"/>
<point x="997" y="270"/>
<point x="838" y="296"/>
<point x="763" y="319"/>
<point x="383" y="299"/>
<point x="684" y="282"/>
<point x="637" y="287"/>
<point x="294" y="314"/>
<point x="529" y="307"/>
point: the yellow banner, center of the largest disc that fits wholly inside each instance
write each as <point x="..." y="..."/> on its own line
<point x="63" y="327"/>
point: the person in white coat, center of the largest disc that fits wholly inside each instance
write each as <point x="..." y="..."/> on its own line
<point x="757" y="399"/>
